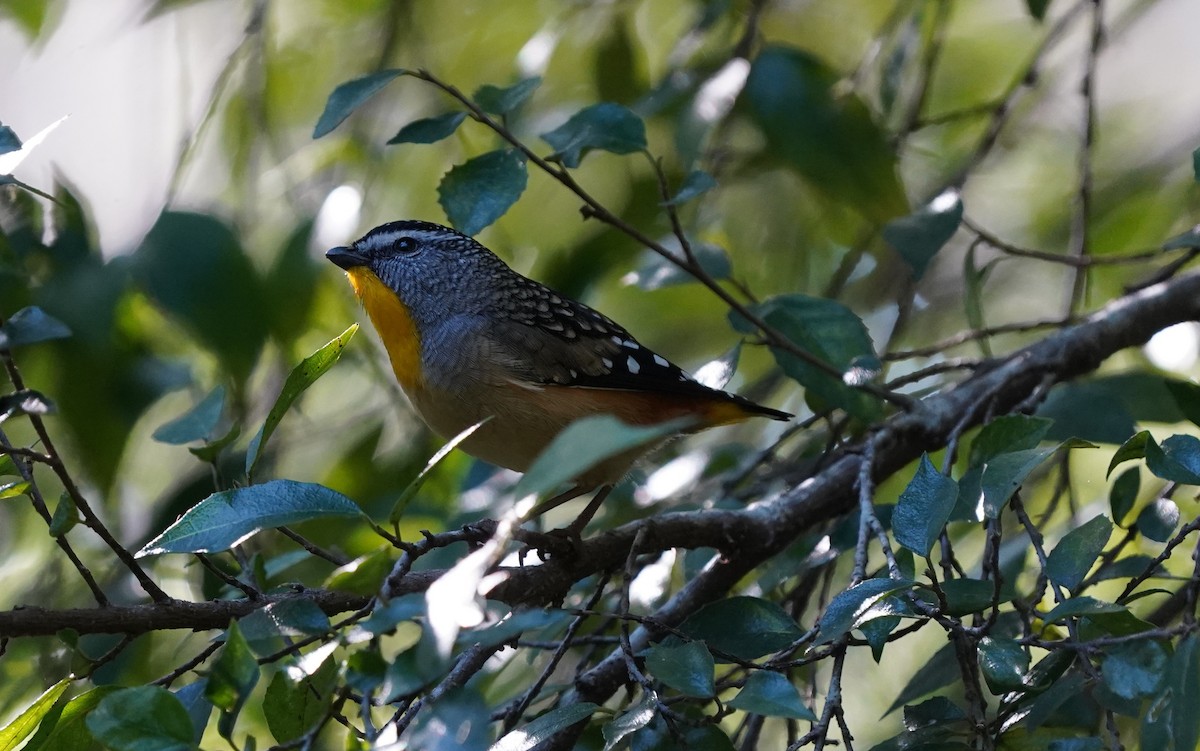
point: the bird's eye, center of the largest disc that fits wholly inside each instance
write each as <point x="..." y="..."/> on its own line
<point x="406" y="245"/>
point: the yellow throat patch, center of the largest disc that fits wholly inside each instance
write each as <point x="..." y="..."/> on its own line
<point x="395" y="326"/>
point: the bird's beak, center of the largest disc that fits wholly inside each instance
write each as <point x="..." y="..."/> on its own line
<point x="346" y="258"/>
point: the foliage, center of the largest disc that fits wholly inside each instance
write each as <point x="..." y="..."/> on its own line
<point x="977" y="533"/>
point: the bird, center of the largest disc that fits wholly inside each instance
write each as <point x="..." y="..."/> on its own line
<point x="470" y="339"/>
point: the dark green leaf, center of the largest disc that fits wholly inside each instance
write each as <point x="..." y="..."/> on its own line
<point x="605" y="126"/>
<point x="696" y="183"/>
<point x="1004" y="474"/>
<point x="773" y="695"/>
<point x="513" y="624"/>
<point x="1134" y="670"/>
<point x="631" y="720"/>
<point x="366" y="670"/>
<point x="1037" y="8"/>
<point x="1081" y="605"/>
<point x="828" y="137"/>
<point x="966" y="596"/>
<point x="1075" y="553"/>
<point x="1158" y="520"/>
<point x="1187" y="397"/>
<point x="364" y="575"/>
<point x="541" y="729"/>
<point x="66" y="514"/>
<point x="233" y="676"/>
<point x="455" y="722"/>
<point x="284" y="618"/>
<point x="830" y="332"/>
<point x="584" y="444"/>
<point x="429" y="129"/>
<point x="686" y="667"/>
<point x="1177" y="460"/>
<point x="30" y="326"/>
<point x="142" y="719"/>
<point x="198" y="707"/>
<point x="1124" y="493"/>
<point x="850" y="607"/>
<point x="1004" y="663"/>
<point x="1072" y="407"/>
<point x="12" y="734"/>
<point x="230" y="517"/>
<point x="1007" y="434"/>
<point x="1134" y="448"/>
<point x="745" y="627"/>
<point x="349" y="96"/>
<point x="1196" y="165"/>
<point x="407" y="675"/>
<point x="211" y="450"/>
<point x="937" y="710"/>
<point x="923" y="508"/>
<point x="478" y="192"/>
<point x="293" y="707"/>
<point x="920" y="235"/>
<point x="500" y="101"/>
<point x="302" y="376"/>
<point x="938" y="671"/>
<point x="1172" y="720"/>
<point x="197" y="424"/>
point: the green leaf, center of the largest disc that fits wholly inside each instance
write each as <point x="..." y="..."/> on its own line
<point x="145" y="718"/>
<point x="1075" y="553"/>
<point x="284" y="618"/>
<point x="1196" y="165"/>
<point x="1124" y="493"/>
<point x="1134" y="670"/>
<point x="68" y="731"/>
<point x="364" y="575"/>
<point x="197" y="424"/>
<point x="30" y="326"/>
<point x="293" y="707"/>
<point x="1004" y="663"/>
<point x="410" y="491"/>
<point x="495" y="100"/>
<point x="830" y="332"/>
<point x="966" y="596"/>
<point x="478" y="192"/>
<point x="12" y="734"/>
<point x="853" y="606"/>
<point x="513" y="624"/>
<point x="349" y="96"/>
<point x="198" y="707"/>
<point x="631" y="720"/>
<point x="828" y="137"/>
<point x="1081" y="605"/>
<point x="1037" y="8"/>
<point x="15" y="490"/>
<point x="541" y="729"/>
<point x="1134" y="448"/>
<point x="1158" y="520"/>
<point x="1189" y="239"/>
<point x="584" y="444"/>
<point x="605" y="126"/>
<point x="772" y="695"/>
<point x="230" y="517"/>
<point x="935" y="712"/>
<point x="745" y="627"/>
<point x="1007" y="434"/>
<point x="1177" y="460"/>
<point x="1187" y="397"/>
<point x="429" y="129"/>
<point x="923" y="508"/>
<point x="686" y="667"/>
<point x="66" y="515"/>
<point x="1003" y="474"/>
<point x="234" y="674"/>
<point x="302" y="376"/>
<point x="920" y="235"/>
<point x="696" y="183"/>
<point x="1171" y="721"/>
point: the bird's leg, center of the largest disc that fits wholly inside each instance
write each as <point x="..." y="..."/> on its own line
<point x="574" y="530"/>
<point x="569" y="494"/>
